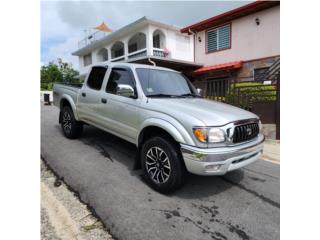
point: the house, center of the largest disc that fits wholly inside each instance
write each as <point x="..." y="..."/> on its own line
<point x="237" y="45"/>
<point x="240" y="50"/>
<point x="143" y="41"/>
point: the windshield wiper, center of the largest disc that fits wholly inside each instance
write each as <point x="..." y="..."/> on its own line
<point x="191" y="95"/>
<point x="163" y="95"/>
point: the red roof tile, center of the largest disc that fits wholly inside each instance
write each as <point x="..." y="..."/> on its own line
<point x="224" y="66"/>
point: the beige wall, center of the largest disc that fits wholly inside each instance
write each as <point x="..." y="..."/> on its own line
<point x="248" y="40"/>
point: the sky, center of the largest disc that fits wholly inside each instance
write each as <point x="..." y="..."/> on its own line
<point x="63" y="22"/>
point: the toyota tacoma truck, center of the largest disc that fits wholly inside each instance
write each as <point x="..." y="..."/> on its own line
<point x="174" y="128"/>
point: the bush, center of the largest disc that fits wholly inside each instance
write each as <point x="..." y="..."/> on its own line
<point x="244" y="94"/>
<point x="57" y="72"/>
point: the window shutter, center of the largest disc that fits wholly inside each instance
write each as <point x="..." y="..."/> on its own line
<point x="218" y="38"/>
<point x="224" y="37"/>
<point x="212" y="40"/>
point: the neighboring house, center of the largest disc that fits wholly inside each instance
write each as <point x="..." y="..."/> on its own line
<point x="239" y="44"/>
<point x="240" y="50"/>
<point x="143" y="41"/>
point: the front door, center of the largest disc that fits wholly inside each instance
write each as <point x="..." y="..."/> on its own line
<point x="121" y="108"/>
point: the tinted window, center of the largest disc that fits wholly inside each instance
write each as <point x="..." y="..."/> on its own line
<point x="119" y="77"/>
<point x="163" y="82"/>
<point x="96" y="77"/>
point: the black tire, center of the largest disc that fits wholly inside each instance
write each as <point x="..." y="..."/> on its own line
<point x="70" y="126"/>
<point x="168" y="180"/>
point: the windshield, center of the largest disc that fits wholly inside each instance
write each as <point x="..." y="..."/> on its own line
<point x="162" y="83"/>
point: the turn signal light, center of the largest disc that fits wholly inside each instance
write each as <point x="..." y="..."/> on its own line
<point x="201" y="134"/>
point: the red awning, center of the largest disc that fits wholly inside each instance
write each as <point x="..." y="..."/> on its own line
<point x="218" y="67"/>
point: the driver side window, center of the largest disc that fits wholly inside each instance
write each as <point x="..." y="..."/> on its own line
<point x="121" y="83"/>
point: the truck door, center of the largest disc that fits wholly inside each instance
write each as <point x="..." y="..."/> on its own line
<point x="120" y="108"/>
<point x="89" y="97"/>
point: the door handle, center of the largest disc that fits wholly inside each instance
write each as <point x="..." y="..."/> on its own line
<point x="83" y="94"/>
<point x="103" y="100"/>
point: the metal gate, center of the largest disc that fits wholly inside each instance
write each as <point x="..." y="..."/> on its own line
<point x="216" y="88"/>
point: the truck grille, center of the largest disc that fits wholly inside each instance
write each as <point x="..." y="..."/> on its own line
<point x="245" y="132"/>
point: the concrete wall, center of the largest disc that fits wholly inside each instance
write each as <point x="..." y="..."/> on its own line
<point x="248" y="40"/>
<point x="179" y="45"/>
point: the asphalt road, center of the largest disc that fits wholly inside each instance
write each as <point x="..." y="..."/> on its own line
<point x="244" y="204"/>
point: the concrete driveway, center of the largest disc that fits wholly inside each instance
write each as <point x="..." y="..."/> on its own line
<point x="244" y="204"/>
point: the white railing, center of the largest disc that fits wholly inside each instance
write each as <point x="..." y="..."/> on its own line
<point x="91" y="38"/>
<point x="159" y="52"/>
<point x="139" y="53"/>
<point x="117" y="59"/>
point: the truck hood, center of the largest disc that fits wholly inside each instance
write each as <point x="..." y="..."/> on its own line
<point x="210" y="113"/>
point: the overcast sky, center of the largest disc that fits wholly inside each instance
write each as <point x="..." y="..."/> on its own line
<point x="63" y="22"/>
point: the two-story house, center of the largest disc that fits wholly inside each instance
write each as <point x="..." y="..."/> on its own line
<point x="240" y="50"/>
<point x="143" y="41"/>
<point x="236" y="45"/>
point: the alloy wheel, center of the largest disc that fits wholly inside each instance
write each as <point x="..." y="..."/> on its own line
<point x="158" y="165"/>
<point x="66" y="122"/>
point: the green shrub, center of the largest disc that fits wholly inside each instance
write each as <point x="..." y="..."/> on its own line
<point x="57" y="72"/>
<point x="244" y="94"/>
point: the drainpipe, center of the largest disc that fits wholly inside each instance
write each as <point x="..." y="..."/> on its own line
<point x="152" y="62"/>
<point x="194" y="43"/>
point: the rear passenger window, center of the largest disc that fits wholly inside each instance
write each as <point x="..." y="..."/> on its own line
<point x="119" y="78"/>
<point x="96" y="77"/>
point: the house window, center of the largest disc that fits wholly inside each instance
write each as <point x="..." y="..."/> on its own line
<point x="259" y="74"/>
<point x="118" y="53"/>
<point x="219" y="38"/>
<point x="133" y="47"/>
<point x="87" y="59"/>
<point x="156" y="41"/>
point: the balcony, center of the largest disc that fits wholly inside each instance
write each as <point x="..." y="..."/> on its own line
<point x="126" y="48"/>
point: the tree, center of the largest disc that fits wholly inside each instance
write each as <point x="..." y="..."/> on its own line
<point x="57" y="72"/>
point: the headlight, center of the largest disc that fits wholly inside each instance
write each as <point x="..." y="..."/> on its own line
<point x="216" y="135"/>
<point x="211" y="135"/>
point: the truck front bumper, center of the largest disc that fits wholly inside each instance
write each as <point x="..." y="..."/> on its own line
<point x="220" y="160"/>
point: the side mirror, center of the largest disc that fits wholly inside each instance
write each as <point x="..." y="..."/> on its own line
<point x="125" y="91"/>
<point x="199" y="90"/>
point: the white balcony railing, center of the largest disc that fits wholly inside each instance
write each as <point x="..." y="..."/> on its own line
<point x="118" y="59"/>
<point x="139" y="53"/>
<point x="159" y="52"/>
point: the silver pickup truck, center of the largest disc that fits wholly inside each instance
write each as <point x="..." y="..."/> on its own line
<point x="175" y="130"/>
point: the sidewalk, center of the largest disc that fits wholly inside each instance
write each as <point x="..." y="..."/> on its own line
<point x="271" y="151"/>
<point x="63" y="216"/>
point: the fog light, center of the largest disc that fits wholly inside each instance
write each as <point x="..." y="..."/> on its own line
<point x="212" y="167"/>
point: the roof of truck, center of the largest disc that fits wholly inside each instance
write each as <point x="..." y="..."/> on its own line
<point x="131" y="65"/>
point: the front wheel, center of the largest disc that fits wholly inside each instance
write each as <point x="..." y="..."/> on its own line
<point x="161" y="164"/>
<point x="70" y="126"/>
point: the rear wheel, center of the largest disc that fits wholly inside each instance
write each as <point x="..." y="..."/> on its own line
<point x="161" y="164"/>
<point x="70" y="126"/>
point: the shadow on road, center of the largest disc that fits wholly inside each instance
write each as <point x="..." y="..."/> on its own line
<point x="116" y="149"/>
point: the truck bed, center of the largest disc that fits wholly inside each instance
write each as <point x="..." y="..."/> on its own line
<point x="76" y="85"/>
<point x="70" y="89"/>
